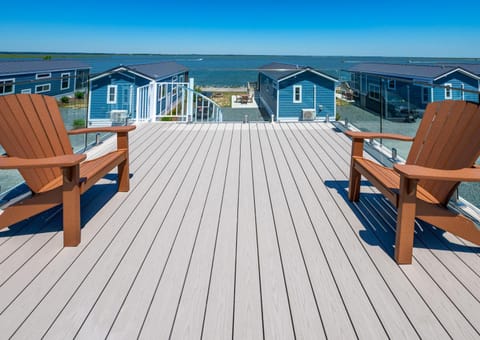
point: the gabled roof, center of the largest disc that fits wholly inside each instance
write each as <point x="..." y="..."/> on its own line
<point x="152" y="71"/>
<point x="427" y="72"/>
<point x="35" y="66"/>
<point x="280" y="71"/>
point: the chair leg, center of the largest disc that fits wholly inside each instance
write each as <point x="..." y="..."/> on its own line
<point x="405" y="221"/>
<point x="354" y="184"/>
<point x="71" y="206"/>
<point x="123" y="176"/>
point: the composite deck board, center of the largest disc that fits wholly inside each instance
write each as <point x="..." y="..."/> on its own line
<point x="456" y="323"/>
<point x="234" y="231"/>
<point x="275" y="300"/>
<point x="247" y="323"/>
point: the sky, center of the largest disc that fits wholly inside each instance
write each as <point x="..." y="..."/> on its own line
<point x="420" y="28"/>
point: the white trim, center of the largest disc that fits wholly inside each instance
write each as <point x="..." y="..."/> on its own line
<point x="295" y="100"/>
<point x="114" y="100"/>
<point x="309" y="70"/>
<point x="43" y="75"/>
<point x="68" y="81"/>
<point x="463" y="91"/>
<point x="458" y="69"/>
<point x="27" y="91"/>
<point x="3" y="84"/>
<point x="448" y="90"/>
<point x="48" y="87"/>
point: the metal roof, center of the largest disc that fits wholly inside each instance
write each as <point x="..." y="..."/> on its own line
<point x="280" y="71"/>
<point x="152" y="71"/>
<point x="430" y="72"/>
<point x="34" y="66"/>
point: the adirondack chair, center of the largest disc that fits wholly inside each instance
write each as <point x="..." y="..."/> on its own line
<point x="442" y="155"/>
<point x="34" y="137"/>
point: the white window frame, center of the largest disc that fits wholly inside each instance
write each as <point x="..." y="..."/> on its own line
<point x="45" y="75"/>
<point x="295" y="88"/>
<point x="68" y="81"/>
<point x="448" y="91"/>
<point x="115" y="94"/>
<point x="27" y="91"/>
<point x="42" y="88"/>
<point x="3" y="85"/>
<point x="374" y="88"/>
<point x="392" y="84"/>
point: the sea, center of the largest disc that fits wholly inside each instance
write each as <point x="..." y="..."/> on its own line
<point x="234" y="70"/>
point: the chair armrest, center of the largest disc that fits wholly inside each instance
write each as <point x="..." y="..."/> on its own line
<point x="63" y="161"/>
<point x="370" y="135"/>
<point x="420" y="172"/>
<point x="112" y="129"/>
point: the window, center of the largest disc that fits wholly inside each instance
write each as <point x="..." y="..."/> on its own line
<point x="297" y="94"/>
<point x="42" y="88"/>
<point x="448" y="91"/>
<point x="392" y="85"/>
<point x="27" y="91"/>
<point x="374" y="91"/>
<point x="425" y="94"/>
<point x="65" y="81"/>
<point x="112" y="94"/>
<point x="6" y="86"/>
<point x="43" y="75"/>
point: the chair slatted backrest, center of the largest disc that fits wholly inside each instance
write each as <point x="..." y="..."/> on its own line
<point x="31" y="126"/>
<point x="448" y="138"/>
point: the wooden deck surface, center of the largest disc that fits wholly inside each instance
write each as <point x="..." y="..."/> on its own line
<point x="239" y="231"/>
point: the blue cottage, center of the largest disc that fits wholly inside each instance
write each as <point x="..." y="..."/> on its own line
<point x="292" y="92"/>
<point x="56" y="78"/>
<point x="398" y="90"/>
<point x="138" y="92"/>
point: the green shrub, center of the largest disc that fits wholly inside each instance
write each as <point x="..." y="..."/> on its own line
<point x="79" y="123"/>
<point x="79" y="94"/>
<point x="65" y="100"/>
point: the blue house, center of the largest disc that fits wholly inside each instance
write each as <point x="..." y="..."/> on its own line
<point x="292" y="92"/>
<point x="139" y="92"/>
<point x="400" y="90"/>
<point x="49" y="77"/>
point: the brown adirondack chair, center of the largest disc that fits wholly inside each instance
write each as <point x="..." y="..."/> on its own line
<point x="34" y="137"/>
<point x="443" y="154"/>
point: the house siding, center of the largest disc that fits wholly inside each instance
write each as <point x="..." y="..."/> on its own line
<point x="457" y="79"/>
<point x="28" y="82"/>
<point x="316" y="91"/>
<point x="126" y="89"/>
<point x="268" y="93"/>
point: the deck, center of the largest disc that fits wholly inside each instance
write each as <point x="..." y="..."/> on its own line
<point x="239" y="231"/>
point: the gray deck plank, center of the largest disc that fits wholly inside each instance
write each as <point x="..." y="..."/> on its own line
<point x="297" y="277"/>
<point x="218" y="320"/>
<point x="190" y="313"/>
<point x="95" y="304"/>
<point x="235" y="231"/>
<point x="190" y="208"/>
<point x="276" y="310"/>
<point x="247" y="323"/>
<point x="420" y="279"/>
<point x="71" y="269"/>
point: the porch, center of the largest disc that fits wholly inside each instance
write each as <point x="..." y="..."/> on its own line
<point x="237" y="231"/>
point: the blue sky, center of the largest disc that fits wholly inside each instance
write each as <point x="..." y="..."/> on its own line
<point x="359" y="28"/>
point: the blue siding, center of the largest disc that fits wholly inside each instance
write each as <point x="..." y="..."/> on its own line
<point x="310" y="83"/>
<point x="28" y="82"/>
<point x="268" y="93"/>
<point x="457" y="79"/>
<point x="126" y="89"/>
